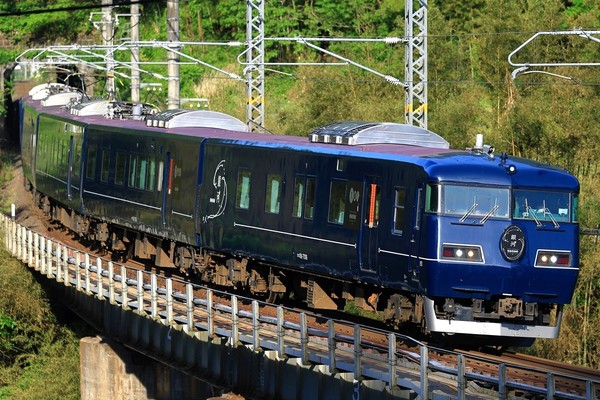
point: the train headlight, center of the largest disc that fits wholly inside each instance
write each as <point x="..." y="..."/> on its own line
<point x="553" y="258"/>
<point x="459" y="252"/>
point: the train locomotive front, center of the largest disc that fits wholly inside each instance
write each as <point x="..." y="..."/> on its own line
<point x="501" y="253"/>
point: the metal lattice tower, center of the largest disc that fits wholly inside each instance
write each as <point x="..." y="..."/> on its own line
<point x="415" y="63"/>
<point x="255" y="57"/>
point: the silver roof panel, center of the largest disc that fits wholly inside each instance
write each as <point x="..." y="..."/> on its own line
<point x="361" y="133"/>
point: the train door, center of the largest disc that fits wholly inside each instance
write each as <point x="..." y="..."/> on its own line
<point x="70" y="169"/>
<point x="74" y="161"/>
<point x="369" y="230"/>
<point x="414" y="265"/>
<point x="167" y="184"/>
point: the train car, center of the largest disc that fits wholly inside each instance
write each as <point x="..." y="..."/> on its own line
<point x="384" y="215"/>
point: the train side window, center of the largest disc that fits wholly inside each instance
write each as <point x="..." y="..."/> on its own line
<point x="311" y="197"/>
<point x="120" y="168"/>
<point x="304" y="196"/>
<point x="432" y="199"/>
<point x="337" y="202"/>
<point x="273" y="195"/>
<point x="242" y="197"/>
<point x="399" y="203"/>
<point x="142" y="173"/>
<point x="133" y="167"/>
<point x="161" y="170"/>
<point x="151" y="174"/>
<point x="299" y="190"/>
<point x="90" y="166"/>
<point x="105" y="165"/>
<point x="373" y="198"/>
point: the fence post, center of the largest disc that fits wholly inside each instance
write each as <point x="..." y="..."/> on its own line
<point x="255" y="326"/>
<point x="210" y="313"/>
<point x="140" y="292"/>
<point x="189" y="305"/>
<point x="392" y="360"/>
<point x="124" y="289"/>
<point x="111" y="283"/>
<point x="235" y="335"/>
<point x="304" y="340"/>
<point x="78" y="271"/>
<point x="280" y="333"/>
<point x="99" y="278"/>
<point x="424" y="373"/>
<point x="58" y="262"/>
<point x="30" y="248"/>
<point x="550" y="389"/>
<point x="331" y="346"/>
<point x="153" y="296"/>
<point x="49" y="266"/>
<point x="460" y="376"/>
<point x="169" y="298"/>
<point x="88" y="289"/>
<point x="357" y="353"/>
<point x="23" y="244"/>
<point x="502" y="381"/>
<point x="36" y="251"/>
<point x="66" y="267"/>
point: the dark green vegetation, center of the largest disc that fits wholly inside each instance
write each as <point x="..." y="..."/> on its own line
<point x="470" y="87"/>
<point x="39" y="356"/>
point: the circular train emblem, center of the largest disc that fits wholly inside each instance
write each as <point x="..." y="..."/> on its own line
<point x="512" y="243"/>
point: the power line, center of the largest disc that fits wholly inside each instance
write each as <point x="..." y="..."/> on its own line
<point x="116" y="3"/>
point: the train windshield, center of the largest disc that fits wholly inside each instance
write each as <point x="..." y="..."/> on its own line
<point x="540" y="205"/>
<point x="496" y="202"/>
<point x="468" y="201"/>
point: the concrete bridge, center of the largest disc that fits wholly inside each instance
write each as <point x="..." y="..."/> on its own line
<point x="228" y="342"/>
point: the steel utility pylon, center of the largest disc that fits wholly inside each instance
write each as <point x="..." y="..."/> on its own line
<point x="415" y="63"/>
<point x="255" y="58"/>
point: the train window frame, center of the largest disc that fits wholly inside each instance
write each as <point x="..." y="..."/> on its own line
<point x="161" y="171"/>
<point x="432" y="198"/>
<point x="399" y="216"/>
<point x="90" y="163"/>
<point x="244" y="186"/>
<point x="310" y="202"/>
<point x="475" y="201"/>
<point x="299" y="194"/>
<point x="105" y="165"/>
<point x="133" y="166"/>
<point x="337" y="201"/>
<point x="539" y="209"/>
<point x="273" y="193"/>
<point x="151" y="182"/>
<point x="120" y="168"/>
<point x="305" y="198"/>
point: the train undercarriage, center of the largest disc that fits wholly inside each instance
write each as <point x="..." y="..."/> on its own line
<point x="267" y="281"/>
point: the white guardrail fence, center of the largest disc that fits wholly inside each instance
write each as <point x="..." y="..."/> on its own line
<point x="194" y="308"/>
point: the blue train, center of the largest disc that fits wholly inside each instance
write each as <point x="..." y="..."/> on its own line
<point x="384" y="215"/>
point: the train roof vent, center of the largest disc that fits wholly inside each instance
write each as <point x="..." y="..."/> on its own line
<point x="94" y="107"/>
<point x="196" y="119"/>
<point x="360" y="133"/>
<point x="161" y="118"/>
<point x="61" y="99"/>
